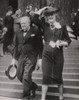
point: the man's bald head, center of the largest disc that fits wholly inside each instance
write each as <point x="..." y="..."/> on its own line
<point x="25" y="23"/>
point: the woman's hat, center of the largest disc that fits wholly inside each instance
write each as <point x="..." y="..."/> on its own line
<point x="51" y="11"/>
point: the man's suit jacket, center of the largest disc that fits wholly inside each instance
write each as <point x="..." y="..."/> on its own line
<point x="30" y="45"/>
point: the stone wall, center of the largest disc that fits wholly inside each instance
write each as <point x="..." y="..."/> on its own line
<point x="3" y="7"/>
<point x="22" y="4"/>
<point x="64" y="5"/>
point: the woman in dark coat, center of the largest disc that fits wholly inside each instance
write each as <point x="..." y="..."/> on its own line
<point x="55" y="37"/>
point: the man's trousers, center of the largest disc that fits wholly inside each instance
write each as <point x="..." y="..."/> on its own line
<point x="24" y="74"/>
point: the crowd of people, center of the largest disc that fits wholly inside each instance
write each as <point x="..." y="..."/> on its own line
<point x="38" y="41"/>
<point x="7" y="27"/>
<point x="75" y="23"/>
<point x="7" y="31"/>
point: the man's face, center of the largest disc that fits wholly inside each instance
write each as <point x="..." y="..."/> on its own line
<point x="30" y="7"/>
<point x="25" y="23"/>
<point x="9" y="13"/>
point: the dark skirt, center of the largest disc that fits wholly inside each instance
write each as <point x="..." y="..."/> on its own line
<point x="52" y="65"/>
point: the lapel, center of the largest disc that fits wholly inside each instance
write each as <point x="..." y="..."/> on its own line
<point x="27" y="36"/>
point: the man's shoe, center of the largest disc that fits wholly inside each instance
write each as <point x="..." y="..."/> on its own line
<point x="33" y="91"/>
<point x="26" y="98"/>
<point x="26" y="95"/>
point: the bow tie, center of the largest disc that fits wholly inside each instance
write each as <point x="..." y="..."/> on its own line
<point x="24" y="31"/>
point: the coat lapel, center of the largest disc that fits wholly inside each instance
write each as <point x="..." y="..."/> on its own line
<point x="27" y="36"/>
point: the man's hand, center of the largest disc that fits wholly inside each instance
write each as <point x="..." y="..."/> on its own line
<point x="14" y="62"/>
<point x="4" y="30"/>
<point x="39" y="64"/>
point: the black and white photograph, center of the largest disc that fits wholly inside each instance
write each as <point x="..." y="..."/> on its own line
<point x="39" y="50"/>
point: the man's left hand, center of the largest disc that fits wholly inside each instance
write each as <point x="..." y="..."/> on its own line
<point x="39" y="64"/>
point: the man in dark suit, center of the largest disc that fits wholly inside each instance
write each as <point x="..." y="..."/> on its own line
<point x="28" y="47"/>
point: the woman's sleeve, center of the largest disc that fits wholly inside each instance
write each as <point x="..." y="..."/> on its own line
<point x="39" y="22"/>
<point x="65" y="36"/>
<point x="40" y="45"/>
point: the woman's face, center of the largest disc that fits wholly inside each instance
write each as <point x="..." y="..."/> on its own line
<point x="51" y="18"/>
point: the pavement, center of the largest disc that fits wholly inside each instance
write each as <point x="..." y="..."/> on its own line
<point x="7" y="98"/>
<point x="4" y="62"/>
